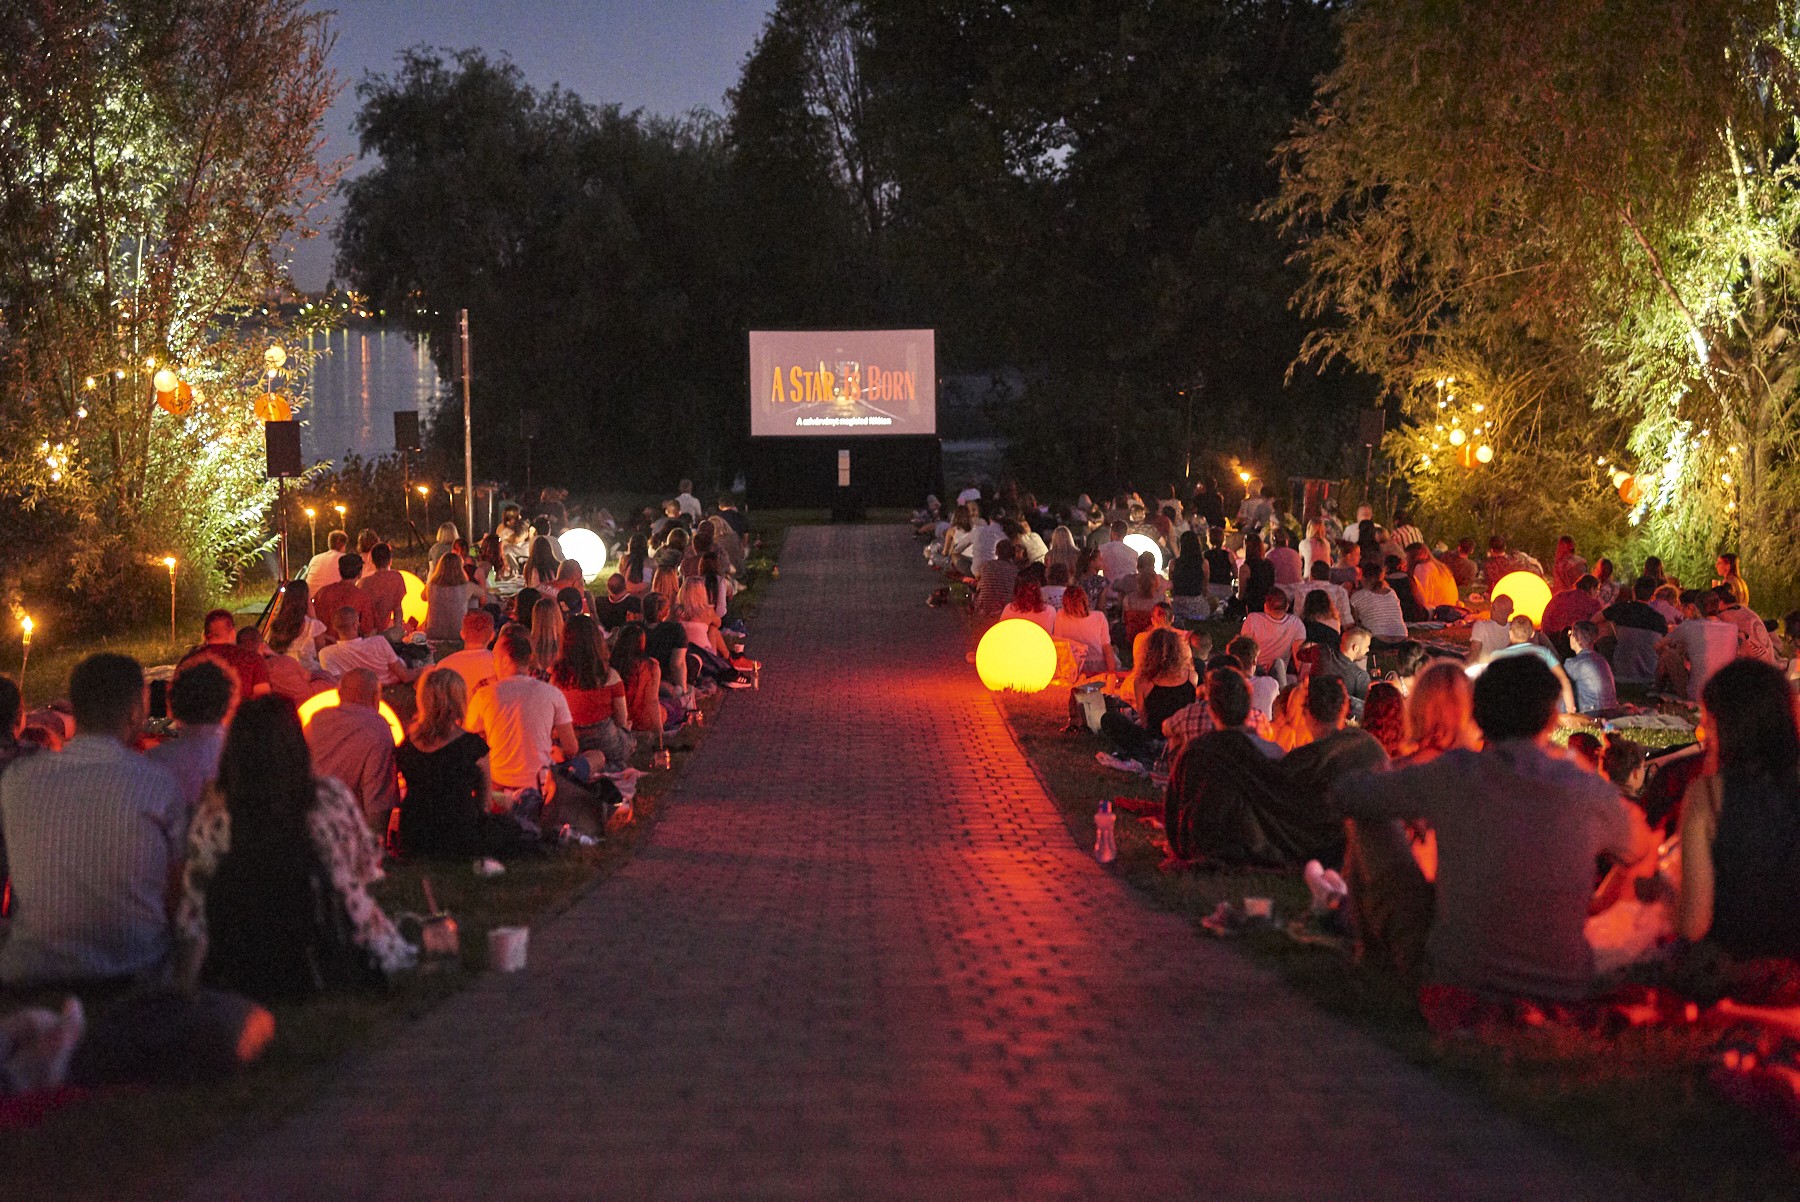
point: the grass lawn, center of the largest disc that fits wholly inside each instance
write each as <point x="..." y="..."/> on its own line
<point x="1636" y="1100"/>
<point x="133" y="1143"/>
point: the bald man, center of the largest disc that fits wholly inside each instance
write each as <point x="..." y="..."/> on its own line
<point x="354" y="743"/>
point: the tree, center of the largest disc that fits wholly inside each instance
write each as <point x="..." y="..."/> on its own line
<point x="592" y="247"/>
<point x="1591" y="212"/>
<point x="155" y="157"/>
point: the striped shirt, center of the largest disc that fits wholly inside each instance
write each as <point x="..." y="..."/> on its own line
<point x="94" y="835"/>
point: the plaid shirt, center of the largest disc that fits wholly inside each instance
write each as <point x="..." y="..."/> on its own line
<point x="1189" y="722"/>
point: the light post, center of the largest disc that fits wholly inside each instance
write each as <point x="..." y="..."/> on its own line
<point x="312" y="530"/>
<point x="424" y="491"/>
<point x="169" y="563"/>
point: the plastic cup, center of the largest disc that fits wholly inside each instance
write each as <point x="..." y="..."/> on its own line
<point x="1259" y="907"/>
<point x="507" y="947"/>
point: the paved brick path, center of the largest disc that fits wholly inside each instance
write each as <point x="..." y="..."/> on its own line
<point x="862" y="959"/>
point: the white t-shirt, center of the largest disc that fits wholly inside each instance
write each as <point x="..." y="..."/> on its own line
<point x="1486" y="637"/>
<point x="967" y="495"/>
<point x="1264" y="692"/>
<point x="474" y="664"/>
<point x="1274" y="640"/>
<point x="322" y="570"/>
<point x="1091" y="631"/>
<point x="690" y="505"/>
<point x="518" y="717"/>
<point x="988" y="535"/>
<point x="1287" y="564"/>
<point x="374" y="653"/>
<point x="1035" y="550"/>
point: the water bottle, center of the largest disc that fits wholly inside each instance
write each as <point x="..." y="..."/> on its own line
<point x="1106" y="848"/>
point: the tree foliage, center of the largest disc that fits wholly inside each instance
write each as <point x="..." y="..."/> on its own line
<point x="1586" y="211"/>
<point x="155" y="157"/>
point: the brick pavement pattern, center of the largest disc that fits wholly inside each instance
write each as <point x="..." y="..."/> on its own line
<point x="862" y="958"/>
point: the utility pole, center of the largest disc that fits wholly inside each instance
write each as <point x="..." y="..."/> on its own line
<point x="462" y="341"/>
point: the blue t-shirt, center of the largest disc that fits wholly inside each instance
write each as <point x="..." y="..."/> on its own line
<point x="1592" y="679"/>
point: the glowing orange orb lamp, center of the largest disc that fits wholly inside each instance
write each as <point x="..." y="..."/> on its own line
<point x="1528" y="591"/>
<point x="413" y="607"/>
<point x="329" y="698"/>
<point x="1016" y="656"/>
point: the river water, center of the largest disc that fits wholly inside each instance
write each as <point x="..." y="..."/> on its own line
<point x="361" y="378"/>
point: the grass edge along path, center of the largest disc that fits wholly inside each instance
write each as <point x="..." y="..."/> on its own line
<point x="137" y="1142"/>
<point x="1635" y="1101"/>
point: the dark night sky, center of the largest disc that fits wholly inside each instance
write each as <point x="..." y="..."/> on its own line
<point x="664" y="56"/>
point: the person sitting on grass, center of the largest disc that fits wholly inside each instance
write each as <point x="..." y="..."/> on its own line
<point x="269" y="840"/>
<point x="293" y="631"/>
<point x="642" y="676"/>
<point x="1590" y="676"/>
<point x="445" y="811"/>
<point x="525" y="721"/>
<point x="995" y="581"/>
<point x="1263" y="689"/>
<point x="372" y="652"/>
<point x="1344" y="657"/>
<point x="1086" y="628"/>
<point x="1376" y="607"/>
<point x="1028" y="600"/>
<point x="619" y="607"/>
<point x="386" y="591"/>
<point x="344" y="592"/>
<point x="201" y="698"/>
<point x="595" y="693"/>
<point x="219" y="632"/>
<point x="1519" y="829"/>
<point x="1162" y="684"/>
<point x="1276" y="631"/>
<point x="1740" y="825"/>
<point x="353" y="744"/>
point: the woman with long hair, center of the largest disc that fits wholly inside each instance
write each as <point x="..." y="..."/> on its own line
<point x="1740" y="823"/>
<point x="720" y="588"/>
<point x="541" y="563"/>
<point x="1080" y="624"/>
<point x="275" y="900"/>
<point x="1384" y="716"/>
<point x="1440" y="712"/>
<point x="293" y="631"/>
<point x="1141" y="594"/>
<point x="445" y="812"/>
<point x="1062" y="550"/>
<point x="595" y="693"/>
<point x="636" y="565"/>
<point x="1162" y="685"/>
<point x="642" y="677"/>
<point x="698" y="616"/>
<point x="1256" y="576"/>
<point x="448" y="596"/>
<point x="1090" y="580"/>
<point x="546" y="636"/>
<point x="491" y="562"/>
<point x="666" y="583"/>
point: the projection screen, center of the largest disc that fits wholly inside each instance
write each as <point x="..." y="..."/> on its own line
<point x="838" y="383"/>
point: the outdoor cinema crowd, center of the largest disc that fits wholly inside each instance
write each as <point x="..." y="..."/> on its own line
<point x="166" y="879"/>
<point x="1441" y="769"/>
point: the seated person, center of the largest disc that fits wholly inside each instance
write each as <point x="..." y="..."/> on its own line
<point x="995" y="580"/>
<point x="1336" y="613"/>
<point x="619" y="606"/>
<point x="475" y="662"/>
<point x="1263" y="689"/>
<point x="1740" y="826"/>
<point x="1087" y="628"/>
<point x="219" y="632"/>
<point x="1578" y="604"/>
<point x="1028" y="600"/>
<point x="1590" y="676"/>
<point x="344" y="593"/>
<point x="94" y="838"/>
<point x="1406" y="588"/>
<point x="1319" y="618"/>
<point x="1637" y="627"/>
<point x="445" y="811"/>
<point x="1489" y="635"/>
<point x="1436" y="584"/>
<point x="201" y="698"/>
<point x="1698" y="647"/>
<point x="1333" y="750"/>
<point x="268" y="839"/>
<point x="352" y="744"/>
<point x="1344" y="658"/>
<point x="525" y="721"/>
<point x="386" y="591"/>
<point x="1519" y="830"/>
<point x="1161" y="684"/>
<point x="595" y="693"/>
<point x="1276" y="631"/>
<point x="1377" y="607"/>
<point x="372" y="652"/>
<point x="288" y="677"/>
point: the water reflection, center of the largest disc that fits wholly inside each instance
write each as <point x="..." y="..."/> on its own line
<point x="359" y="381"/>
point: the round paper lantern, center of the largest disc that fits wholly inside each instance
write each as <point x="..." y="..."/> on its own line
<point x="329" y="698"/>
<point x="1141" y="543"/>
<point x="585" y="548"/>
<point x="273" y="407"/>
<point x="1484" y="453"/>
<point x="1528" y="591"/>
<point x="164" y="381"/>
<point x="1457" y="438"/>
<point x="1631" y="490"/>
<point x="1016" y="655"/>
<point x="413" y="607"/>
<point x="175" y="403"/>
<point x="275" y="358"/>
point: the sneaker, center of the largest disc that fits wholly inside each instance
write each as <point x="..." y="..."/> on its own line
<point x="1327" y="887"/>
<point x="1122" y="765"/>
<point x="739" y="683"/>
